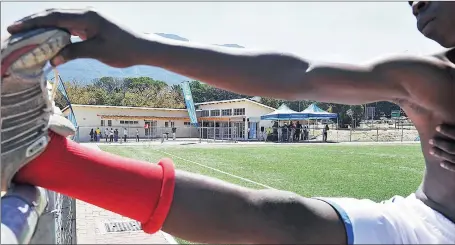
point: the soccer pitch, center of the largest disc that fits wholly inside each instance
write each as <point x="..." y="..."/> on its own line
<point x="376" y="172"/>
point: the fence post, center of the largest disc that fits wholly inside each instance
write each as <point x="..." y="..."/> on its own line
<point x="402" y="131"/>
<point x="377" y="134"/>
<point x="350" y="134"/>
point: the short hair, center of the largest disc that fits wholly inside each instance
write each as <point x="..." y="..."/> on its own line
<point x="410" y="3"/>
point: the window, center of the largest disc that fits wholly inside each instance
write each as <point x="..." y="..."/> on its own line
<point x="109" y="123"/>
<point x="215" y="113"/>
<point x="166" y="124"/>
<point x="239" y="111"/>
<point x="102" y="123"/>
<point x="205" y="113"/>
<point x="226" y="112"/>
<point x="129" y="122"/>
<point x="187" y="124"/>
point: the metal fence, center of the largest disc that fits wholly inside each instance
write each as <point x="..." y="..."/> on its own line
<point x="314" y="133"/>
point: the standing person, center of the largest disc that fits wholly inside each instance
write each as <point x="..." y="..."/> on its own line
<point x="98" y="134"/>
<point x="226" y="213"/>
<point x="125" y="134"/>
<point x="137" y="135"/>
<point x="263" y="136"/>
<point x="284" y="132"/>
<point x="106" y="134"/>
<point x="305" y="132"/>
<point x="111" y="135"/>
<point x="116" y="135"/>
<point x="174" y="130"/>
<point x="298" y="130"/>
<point x="92" y="134"/>
<point x="324" y="133"/>
<point x="292" y="135"/>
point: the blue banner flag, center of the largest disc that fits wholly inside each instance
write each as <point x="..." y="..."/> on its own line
<point x="62" y="89"/>
<point x="189" y="103"/>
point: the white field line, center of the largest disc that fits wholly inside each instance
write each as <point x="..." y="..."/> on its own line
<point x="216" y="170"/>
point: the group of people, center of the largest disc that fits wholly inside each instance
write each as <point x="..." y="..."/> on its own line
<point x="295" y="131"/>
<point x="110" y="135"/>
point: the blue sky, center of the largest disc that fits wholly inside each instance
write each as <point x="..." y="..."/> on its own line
<point x="349" y="32"/>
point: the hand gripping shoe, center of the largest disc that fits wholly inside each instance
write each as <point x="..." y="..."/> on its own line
<point x="27" y="109"/>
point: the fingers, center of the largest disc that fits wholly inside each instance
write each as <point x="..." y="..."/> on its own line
<point x="66" y="19"/>
<point x="446" y="145"/>
<point x="435" y="151"/>
<point x="86" y="49"/>
<point x="446" y="130"/>
<point x="448" y="165"/>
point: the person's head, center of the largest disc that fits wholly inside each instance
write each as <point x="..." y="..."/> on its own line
<point x="435" y="20"/>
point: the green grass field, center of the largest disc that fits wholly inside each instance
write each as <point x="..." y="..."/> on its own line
<point x="376" y="172"/>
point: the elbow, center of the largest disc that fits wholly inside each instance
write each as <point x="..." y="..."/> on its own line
<point x="284" y="74"/>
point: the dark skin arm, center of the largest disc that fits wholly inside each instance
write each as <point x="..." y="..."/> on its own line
<point x="254" y="73"/>
<point x="207" y="210"/>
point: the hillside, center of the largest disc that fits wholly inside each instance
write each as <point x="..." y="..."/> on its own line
<point x="86" y="70"/>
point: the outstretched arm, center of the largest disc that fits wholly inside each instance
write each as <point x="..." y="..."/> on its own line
<point x="247" y="72"/>
<point x="277" y="74"/>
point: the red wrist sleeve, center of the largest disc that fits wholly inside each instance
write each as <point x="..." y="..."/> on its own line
<point x="139" y="190"/>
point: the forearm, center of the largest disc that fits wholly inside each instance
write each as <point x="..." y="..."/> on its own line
<point x="207" y="210"/>
<point x="237" y="70"/>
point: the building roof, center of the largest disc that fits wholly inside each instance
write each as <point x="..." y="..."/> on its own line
<point x="124" y="107"/>
<point x="234" y="101"/>
<point x="170" y="109"/>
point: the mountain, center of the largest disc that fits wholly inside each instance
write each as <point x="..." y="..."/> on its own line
<point x="86" y="70"/>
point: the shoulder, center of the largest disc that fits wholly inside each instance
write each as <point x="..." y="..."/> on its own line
<point x="394" y="221"/>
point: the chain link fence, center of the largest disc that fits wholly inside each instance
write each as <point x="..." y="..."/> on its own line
<point x="398" y="132"/>
<point x="65" y="219"/>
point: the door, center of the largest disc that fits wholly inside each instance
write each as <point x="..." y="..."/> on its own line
<point x="150" y="130"/>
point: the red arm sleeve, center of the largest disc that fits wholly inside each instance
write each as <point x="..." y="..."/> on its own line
<point x="139" y="190"/>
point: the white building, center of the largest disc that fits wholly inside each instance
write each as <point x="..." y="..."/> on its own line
<point x="226" y="119"/>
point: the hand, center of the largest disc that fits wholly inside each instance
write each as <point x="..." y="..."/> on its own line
<point x="103" y="40"/>
<point x="443" y="146"/>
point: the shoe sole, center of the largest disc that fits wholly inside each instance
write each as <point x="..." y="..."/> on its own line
<point x="32" y="49"/>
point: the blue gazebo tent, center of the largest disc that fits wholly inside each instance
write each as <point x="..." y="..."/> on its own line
<point x="283" y="113"/>
<point x="314" y="112"/>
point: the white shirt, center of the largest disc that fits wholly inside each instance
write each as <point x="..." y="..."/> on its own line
<point x="396" y="221"/>
<point x="125" y="132"/>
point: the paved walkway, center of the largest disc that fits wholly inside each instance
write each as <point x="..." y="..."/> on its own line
<point x="94" y="226"/>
